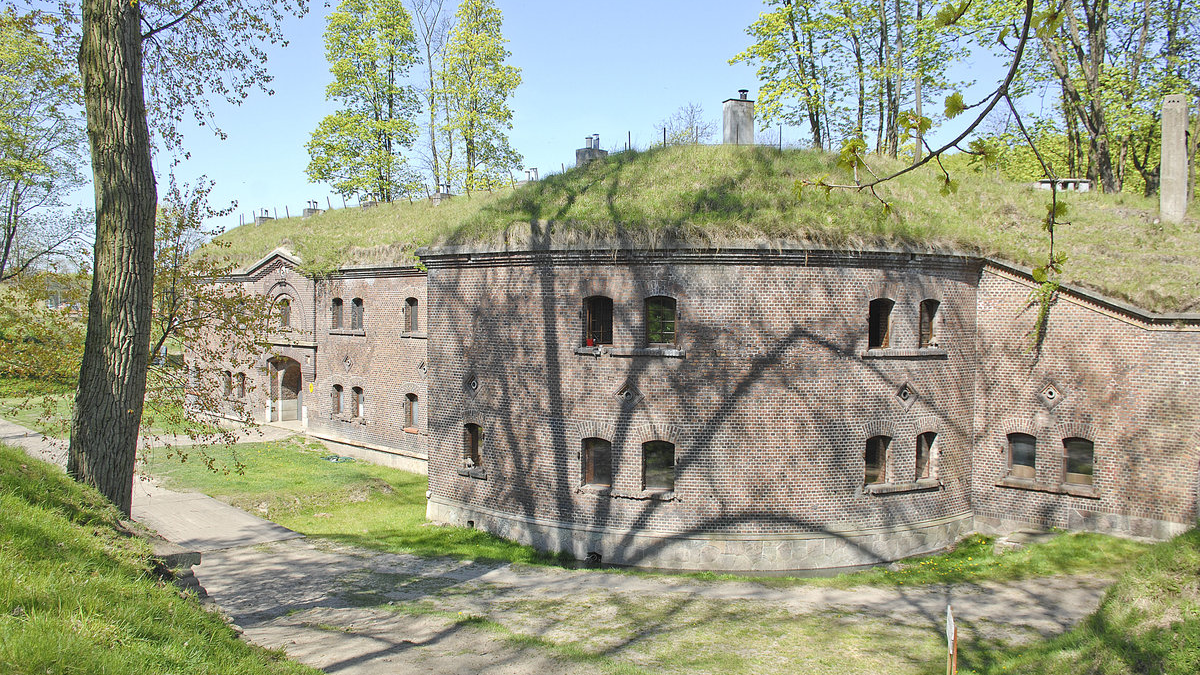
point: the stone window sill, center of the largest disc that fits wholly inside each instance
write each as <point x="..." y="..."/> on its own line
<point x="656" y="495"/>
<point x="415" y="336"/>
<point x="1074" y="490"/>
<point x="345" y="331"/>
<point x="411" y="430"/>
<point x="924" y="353"/>
<point x="473" y="472"/>
<point x="658" y="352"/>
<point x="907" y="486"/>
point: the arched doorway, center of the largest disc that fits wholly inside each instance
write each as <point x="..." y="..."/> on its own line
<point x="285" y="389"/>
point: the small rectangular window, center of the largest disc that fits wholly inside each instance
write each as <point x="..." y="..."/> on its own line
<point x="597" y="462"/>
<point x="1078" y="461"/>
<point x="598" y="321"/>
<point x="410" y="411"/>
<point x="880" y="323"/>
<point x="227" y="383"/>
<point x="925" y="455"/>
<point x="929" y="310"/>
<point x="356" y="314"/>
<point x="875" y="460"/>
<point x="358" y="402"/>
<point x="658" y="465"/>
<point x="472" y="439"/>
<point x="337" y="399"/>
<point x="1022" y="456"/>
<point x="241" y="385"/>
<point x="660" y="320"/>
<point x="411" y="323"/>
<point x="336" y="314"/>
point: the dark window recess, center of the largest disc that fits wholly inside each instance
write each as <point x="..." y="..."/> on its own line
<point x="335" y="310"/>
<point x="880" y="323"/>
<point x="1078" y="461"/>
<point x="875" y="459"/>
<point x="598" y="321"/>
<point x="660" y="320"/>
<point x="358" y="402"/>
<point x="411" y="323"/>
<point x="356" y="314"/>
<point x="227" y="383"/>
<point x="285" y="313"/>
<point x="410" y="411"/>
<point x="929" y="310"/>
<point x="597" y="462"/>
<point x="241" y="385"/>
<point x="658" y="465"/>
<point x="925" y="455"/>
<point x="1022" y="456"/>
<point x="472" y="439"/>
<point x="337" y="399"/>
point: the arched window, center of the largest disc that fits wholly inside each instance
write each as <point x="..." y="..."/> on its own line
<point x="660" y="320"/>
<point x="284" y="311"/>
<point x="227" y="383"/>
<point x="472" y="442"/>
<point x="658" y="465"/>
<point x="929" y="309"/>
<point x="335" y="310"/>
<point x="337" y="399"/>
<point x="925" y="455"/>
<point x="875" y="460"/>
<point x="358" y="403"/>
<point x="411" y="322"/>
<point x="356" y="314"/>
<point x="597" y="462"/>
<point x="879" y="323"/>
<point x="1079" y="456"/>
<point x="598" y="321"/>
<point x="241" y="385"/>
<point x="1022" y="456"/>
<point x="410" y="411"/>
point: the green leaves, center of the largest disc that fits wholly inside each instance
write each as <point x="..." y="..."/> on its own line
<point x="954" y="105"/>
<point x="851" y="155"/>
<point x="950" y="13"/>
<point x="1055" y="211"/>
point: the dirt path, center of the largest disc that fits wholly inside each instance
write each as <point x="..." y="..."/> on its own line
<point x="347" y="610"/>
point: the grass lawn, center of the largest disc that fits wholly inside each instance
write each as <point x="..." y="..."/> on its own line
<point x="77" y="594"/>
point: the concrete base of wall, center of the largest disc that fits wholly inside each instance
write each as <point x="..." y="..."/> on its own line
<point x="713" y="551"/>
<point x="375" y="454"/>
<point x="1104" y="523"/>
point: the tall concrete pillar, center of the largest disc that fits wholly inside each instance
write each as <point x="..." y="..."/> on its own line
<point x="739" y="120"/>
<point x="1172" y="189"/>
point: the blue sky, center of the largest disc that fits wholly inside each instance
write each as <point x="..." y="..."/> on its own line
<point x="611" y="68"/>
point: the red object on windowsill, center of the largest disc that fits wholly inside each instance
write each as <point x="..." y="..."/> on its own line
<point x="591" y="342"/>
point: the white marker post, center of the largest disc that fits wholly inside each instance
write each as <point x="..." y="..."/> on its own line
<point x="951" y="643"/>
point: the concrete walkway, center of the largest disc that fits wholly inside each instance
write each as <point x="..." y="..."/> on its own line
<point x="192" y="520"/>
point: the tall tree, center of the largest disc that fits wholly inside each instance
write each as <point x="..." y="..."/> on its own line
<point x="359" y="149"/>
<point x="477" y="84"/>
<point x="198" y="47"/>
<point x="41" y="143"/>
<point x="432" y="27"/>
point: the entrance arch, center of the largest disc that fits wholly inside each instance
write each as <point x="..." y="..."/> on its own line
<point x="285" y="389"/>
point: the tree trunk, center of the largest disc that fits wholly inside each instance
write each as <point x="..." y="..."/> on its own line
<point x="112" y="377"/>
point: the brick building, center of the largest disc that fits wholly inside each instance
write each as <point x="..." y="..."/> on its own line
<point x="742" y="409"/>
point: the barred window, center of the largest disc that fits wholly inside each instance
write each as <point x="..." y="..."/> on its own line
<point x="356" y="314"/>
<point x="598" y="321"/>
<point x="660" y="320"/>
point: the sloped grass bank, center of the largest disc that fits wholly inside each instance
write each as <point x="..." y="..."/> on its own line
<point x="1149" y="622"/>
<point x="77" y="595"/>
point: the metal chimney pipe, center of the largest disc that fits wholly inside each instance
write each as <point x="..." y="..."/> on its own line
<point x="596" y="141"/>
<point x="743" y="93"/>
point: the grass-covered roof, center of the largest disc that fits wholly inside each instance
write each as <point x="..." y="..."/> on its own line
<point x="722" y="196"/>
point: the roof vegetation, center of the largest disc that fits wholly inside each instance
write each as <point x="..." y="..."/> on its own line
<point x="727" y="196"/>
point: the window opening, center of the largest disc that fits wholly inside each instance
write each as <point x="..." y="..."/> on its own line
<point x="411" y="323"/>
<point x="925" y="455"/>
<point x="227" y="383"/>
<point x="880" y="328"/>
<point x="658" y="465"/>
<point x="410" y="411"/>
<point x="875" y="460"/>
<point x="336" y="310"/>
<point x="241" y="385"/>
<point x="929" y="309"/>
<point x="337" y="399"/>
<point x="1078" y="461"/>
<point x="597" y="462"/>
<point x="660" y="320"/>
<point x="1022" y="456"/>
<point x="358" y="402"/>
<point x="598" y="321"/>
<point x="356" y="314"/>
<point x="472" y="438"/>
<point x="285" y="313"/>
